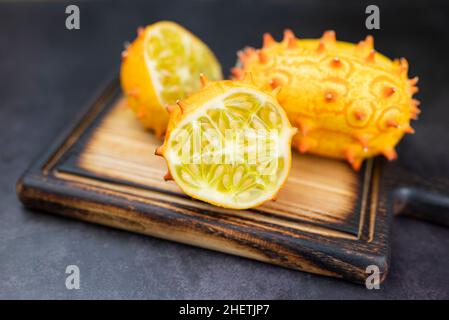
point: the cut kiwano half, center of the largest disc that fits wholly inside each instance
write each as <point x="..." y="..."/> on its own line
<point x="161" y="66"/>
<point x="348" y="100"/>
<point x="228" y="145"/>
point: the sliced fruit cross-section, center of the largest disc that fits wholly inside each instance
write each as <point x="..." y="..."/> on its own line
<point x="161" y="66"/>
<point x="229" y="145"/>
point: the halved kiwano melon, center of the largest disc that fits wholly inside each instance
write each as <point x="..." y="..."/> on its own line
<point x="161" y="66"/>
<point x="228" y="145"/>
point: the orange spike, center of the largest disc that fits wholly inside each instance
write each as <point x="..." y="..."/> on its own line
<point x="359" y="114"/>
<point x="304" y="146"/>
<point x="237" y="73"/>
<point x="329" y="36"/>
<point x="140" y="31"/>
<point x="369" y="41"/>
<point x="275" y="82"/>
<point x="288" y="34"/>
<point x="389" y="91"/>
<point x="263" y="58"/>
<point x="367" y="44"/>
<point x="268" y="40"/>
<point x="159" y="151"/>
<point x="305" y="126"/>
<point x="371" y="56"/>
<point x="409" y="130"/>
<point x="321" y="47"/>
<point x="170" y="108"/>
<point x="329" y="97"/>
<point x="415" y="111"/>
<point x="414" y="90"/>
<point x="289" y="38"/>
<point x="360" y="45"/>
<point x="390" y="154"/>
<point x="291" y="43"/>
<point x="416" y="102"/>
<point x="246" y="54"/>
<point x="203" y="79"/>
<point x="413" y="81"/>
<point x="349" y="155"/>
<point x="181" y="105"/>
<point x="403" y="65"/>
<point x="242" y="56"/>
<point x="250" y="51"/>
<point x="168" y="176"/>
<point x="336" y="62"/>
<point x="363" y="139"/>
<point x="414" y="116"/>
<point x="356" y="165"/>
<point x="124" y="54"/>
<point x="392" y="123"/>
<point x="134" y="92"/>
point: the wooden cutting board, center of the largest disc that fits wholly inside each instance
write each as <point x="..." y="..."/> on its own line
<point x="327" y="219"/>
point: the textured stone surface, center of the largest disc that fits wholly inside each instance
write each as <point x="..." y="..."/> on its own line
<point x="49" y="73"/>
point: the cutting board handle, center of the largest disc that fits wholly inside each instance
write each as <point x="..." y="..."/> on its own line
<point x="425" y="198"/>
<point x="422" y="204"/>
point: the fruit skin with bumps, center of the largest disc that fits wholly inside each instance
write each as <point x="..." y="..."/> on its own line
<point x="210" y="91"/>
<point x="348" y="100"/>
<point x="137" y="79"/>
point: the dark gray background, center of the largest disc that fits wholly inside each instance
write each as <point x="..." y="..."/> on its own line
<point x="47" y="74"/>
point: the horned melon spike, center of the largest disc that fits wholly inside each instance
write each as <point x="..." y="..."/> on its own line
<point x="289" y="39"/>
<point x="350" y="103"/>
<point x="367" y="44"/>
<point x="140" y="31"/>
<point x="268" y="40"/>
<point x="329" y="37"/>
<point x="263" y="57"/>
<point x="182" y="106"/>
<point x="204" y="80"/>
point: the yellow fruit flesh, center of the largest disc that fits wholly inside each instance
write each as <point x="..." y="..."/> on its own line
<point x="161" y="66"/>
<point x="177" y="61"/>
<point x="211" y="147"/>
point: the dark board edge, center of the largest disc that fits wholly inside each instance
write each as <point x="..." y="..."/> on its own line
<point x="306" y="252"/>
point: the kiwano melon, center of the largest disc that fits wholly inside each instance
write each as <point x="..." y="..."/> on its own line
<point x="347" y="100"/>
<point x="228" y="144"/>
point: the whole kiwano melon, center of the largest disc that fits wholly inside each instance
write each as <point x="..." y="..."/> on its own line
<point x="348" y="100"/>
